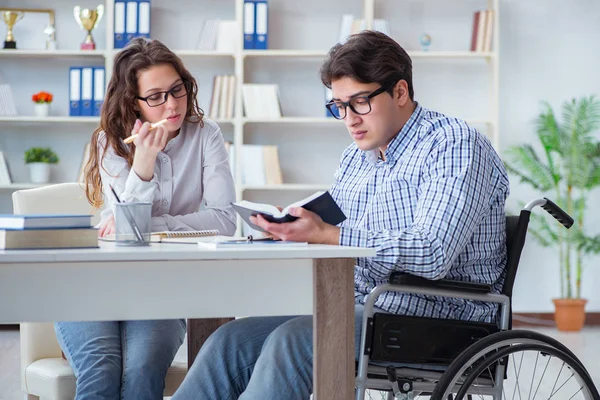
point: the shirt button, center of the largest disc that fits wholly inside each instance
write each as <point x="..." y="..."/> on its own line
<point x="165" y="160"/>
<point x="165" y="202"/>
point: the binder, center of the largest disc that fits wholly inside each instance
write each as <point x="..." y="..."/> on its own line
<point x="74" y="91"/>
<point x="249" y="21"/>
<point x="143" y="12"/>
<point x="98" y="95"/>
<point x="261" y="25"/>
<point x="119" y="36"/>
<point x="131" y="20"/>
<point x="87" y="86"/>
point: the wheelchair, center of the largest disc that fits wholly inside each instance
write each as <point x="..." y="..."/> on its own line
<point x="414" y="357"/>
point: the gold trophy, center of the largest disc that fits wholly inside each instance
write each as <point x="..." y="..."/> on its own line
<point x="11" y="18"/>
<point x="88" y="20"/>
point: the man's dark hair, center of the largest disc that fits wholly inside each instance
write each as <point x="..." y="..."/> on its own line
<point x="369" y="57"/>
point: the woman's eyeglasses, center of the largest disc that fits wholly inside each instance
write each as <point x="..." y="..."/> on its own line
<point x="159" y="98"/>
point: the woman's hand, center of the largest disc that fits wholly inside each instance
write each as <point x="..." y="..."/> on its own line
<point x="147" y="145"/>
<point x="107" y="227"/>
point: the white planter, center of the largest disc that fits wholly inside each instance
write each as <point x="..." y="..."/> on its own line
<point x="42" y="109"/>
<point x="39" y="172"/>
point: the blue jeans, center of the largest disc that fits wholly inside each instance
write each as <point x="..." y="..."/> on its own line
<point x="120" y="360"/>
<point x="264" y="358"/>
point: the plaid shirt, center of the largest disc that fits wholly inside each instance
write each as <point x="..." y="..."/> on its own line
<point x="433" y="208"/>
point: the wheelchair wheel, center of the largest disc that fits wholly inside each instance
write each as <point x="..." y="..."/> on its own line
<point x="516" y="365"/>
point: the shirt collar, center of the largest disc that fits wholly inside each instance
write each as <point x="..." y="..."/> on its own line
<point x="401" y="141"/>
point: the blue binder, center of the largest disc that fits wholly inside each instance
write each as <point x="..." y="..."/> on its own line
<point x="131" y="20"/>
<point x="249" y="23"/>
<point x="74" y="91"/>
<point x="143" y="22"/>
<point x="87" y="90"/>
<point x="120" y="18"/>
<point x="99" y="87"/>
<point x="261" y="25"/>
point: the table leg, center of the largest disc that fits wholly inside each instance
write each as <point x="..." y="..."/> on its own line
<point x="333" y="327"/>
<point x="198" y="330"/>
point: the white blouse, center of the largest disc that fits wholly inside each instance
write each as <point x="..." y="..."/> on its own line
<point x="192" y="187"/>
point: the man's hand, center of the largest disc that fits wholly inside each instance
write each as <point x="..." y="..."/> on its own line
<point x="309" y="227"/>
<point x="107" y="227"/>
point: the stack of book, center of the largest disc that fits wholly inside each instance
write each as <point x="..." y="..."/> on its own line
<point x="44" y="231"/>
<point x="483" y="28"/>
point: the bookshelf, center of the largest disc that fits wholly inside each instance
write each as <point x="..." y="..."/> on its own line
<point x="309" y="143"/>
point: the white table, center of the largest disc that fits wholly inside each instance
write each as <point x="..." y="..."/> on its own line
<point x="185" y="281"/>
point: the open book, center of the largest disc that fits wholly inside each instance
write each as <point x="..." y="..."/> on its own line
<point x="172" y="237"/>
<point x="321" y="203"/>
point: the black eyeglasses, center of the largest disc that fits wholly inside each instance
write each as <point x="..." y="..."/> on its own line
<point x="159" y="98"/>
<point x="360" y="105"/>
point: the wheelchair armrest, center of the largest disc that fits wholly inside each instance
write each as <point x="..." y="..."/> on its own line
<point x="404" y="279"/>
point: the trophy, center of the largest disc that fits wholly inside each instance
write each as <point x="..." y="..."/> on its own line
<point x="88" y="20"/>
<point x="11" y="18"/>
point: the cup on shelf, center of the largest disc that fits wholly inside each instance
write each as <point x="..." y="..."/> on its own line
<point x="133" y="224"/>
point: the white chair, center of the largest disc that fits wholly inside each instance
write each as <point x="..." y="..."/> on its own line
<point x="44" y="372"/>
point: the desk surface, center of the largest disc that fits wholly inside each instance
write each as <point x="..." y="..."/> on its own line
<point x="179" y="252"/>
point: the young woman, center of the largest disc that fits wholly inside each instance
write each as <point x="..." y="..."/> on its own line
<point x="178" y="167"/>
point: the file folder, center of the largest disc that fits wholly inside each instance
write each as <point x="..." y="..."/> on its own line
<point x="131" y="21"/>
<point x="119" y="35"/>
<point x="74" y="91"/>
<point x="98" y="95"/>
<point x="261" y="26"/>
<point x="249" y="22"/>
<point x="143" y="18"/>
<point x="87" y="85"/>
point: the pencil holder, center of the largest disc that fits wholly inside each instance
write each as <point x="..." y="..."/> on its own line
<point x="133" y="224"/>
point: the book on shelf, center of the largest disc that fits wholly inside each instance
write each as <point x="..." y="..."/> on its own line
<point x="172" y="236"/>
<point x="5" y="178"/>
<point x="482" y="32"/>
<point x="7" y="102"/>
<point x="260" y="164"/>
<point x="230" y="242"/>
<point x="223" y="97"/>
<point x="261" y="100"/>
<point x="321" y="203"/>
<point x="45" y="221"/>
<point x="68" y="238"/>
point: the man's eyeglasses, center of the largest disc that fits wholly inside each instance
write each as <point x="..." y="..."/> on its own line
<point x="159" y="98"/>
<point x="360" y="105"/>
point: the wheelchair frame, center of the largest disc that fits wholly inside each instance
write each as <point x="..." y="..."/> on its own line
<point x="425" y="380"/>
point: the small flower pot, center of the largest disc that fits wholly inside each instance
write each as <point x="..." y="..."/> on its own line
<point x="39" y="172"/>
<point x="42" y="109"/>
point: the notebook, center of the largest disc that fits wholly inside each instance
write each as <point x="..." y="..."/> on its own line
<point x="229" y="242"/>
<point x="172" y="237"/>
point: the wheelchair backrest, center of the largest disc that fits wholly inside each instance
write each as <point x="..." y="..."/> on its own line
<point x="516" y="231"/>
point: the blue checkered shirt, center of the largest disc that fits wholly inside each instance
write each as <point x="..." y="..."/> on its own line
<point x="434" y="208"/>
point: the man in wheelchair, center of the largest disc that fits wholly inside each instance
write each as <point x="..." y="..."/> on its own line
<point x="426" y="190"/>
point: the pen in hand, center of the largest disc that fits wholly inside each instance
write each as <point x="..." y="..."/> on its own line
<point x="152" y="126"/>
<point x="130" y="219"/>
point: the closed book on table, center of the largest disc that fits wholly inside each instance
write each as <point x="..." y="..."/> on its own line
<point x="48" y="238"/>
<point x="45" y="221"/>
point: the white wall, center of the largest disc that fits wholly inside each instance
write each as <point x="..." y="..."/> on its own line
<point x="549" y="51"/>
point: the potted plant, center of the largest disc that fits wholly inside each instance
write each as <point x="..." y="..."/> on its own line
<point x="567" y="168"/>
<point x="42" y="102"/>
<point x="39" y="160"/>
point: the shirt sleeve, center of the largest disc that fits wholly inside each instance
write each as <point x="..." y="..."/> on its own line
<point x="219" y="193"/>
<point x="454" y="193"/>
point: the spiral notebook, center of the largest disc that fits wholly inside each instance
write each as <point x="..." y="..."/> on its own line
<point x="172" y="237"/>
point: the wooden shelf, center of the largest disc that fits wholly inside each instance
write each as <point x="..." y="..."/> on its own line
<point x="45" y="120"/>
<point x="285" y="53"/>
<point x="293" y="120"/>
<point x="288" y="187"/>
<point x="52" y="53"/>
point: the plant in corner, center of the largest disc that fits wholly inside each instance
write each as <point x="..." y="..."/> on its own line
<point x="39" y="160"/>
<point x="567" y="168"/>
<point x="42" y="102"/>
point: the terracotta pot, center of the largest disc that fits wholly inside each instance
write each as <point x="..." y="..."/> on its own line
<point x="569" y="314"/>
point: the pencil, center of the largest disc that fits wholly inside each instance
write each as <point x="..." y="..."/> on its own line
<point x="152" y="126"/>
